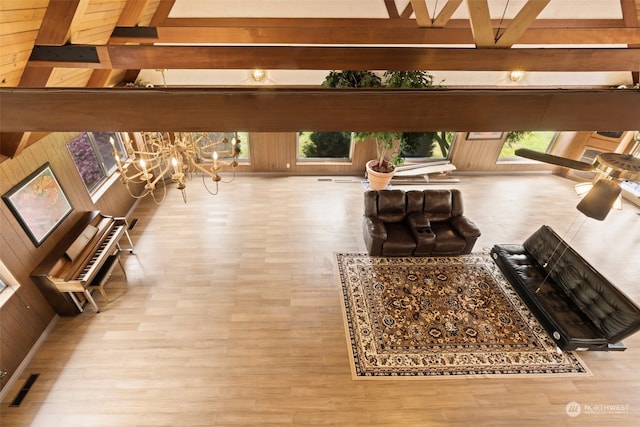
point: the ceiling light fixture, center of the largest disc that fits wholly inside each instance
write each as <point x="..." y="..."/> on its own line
<point x="157" y="157"/>
<point x="258" y="75"/>
<point x="516" y="75"/>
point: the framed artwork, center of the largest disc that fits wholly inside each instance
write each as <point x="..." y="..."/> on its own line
<point x="39" y="204"/>
<point x="609" y="134"/>
<point x="474" y="136"/>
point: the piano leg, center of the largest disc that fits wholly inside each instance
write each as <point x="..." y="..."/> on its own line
<point x="75" y="300"/>
<point x="126" y="233"/>
<point x="122" y="266"/>
<point x="90" y="298"/>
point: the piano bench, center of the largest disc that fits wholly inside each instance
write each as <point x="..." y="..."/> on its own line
<point x="104" y="274"/>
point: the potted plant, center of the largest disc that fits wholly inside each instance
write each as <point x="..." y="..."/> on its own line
<point x="379" y="170"/>
<point x="389" y="145"/>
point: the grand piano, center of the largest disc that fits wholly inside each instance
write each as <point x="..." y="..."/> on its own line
<point x="83" y="259"/>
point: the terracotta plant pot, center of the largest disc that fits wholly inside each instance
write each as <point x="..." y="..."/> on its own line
<point x="377" y="180"/>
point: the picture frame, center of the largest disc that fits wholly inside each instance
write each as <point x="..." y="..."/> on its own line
<point x="476" y="136"/>
<point x="610" y="134"/>
<point x="39" y="204"/>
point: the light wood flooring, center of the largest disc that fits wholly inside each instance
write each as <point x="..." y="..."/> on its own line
<point x="231" y="315"/>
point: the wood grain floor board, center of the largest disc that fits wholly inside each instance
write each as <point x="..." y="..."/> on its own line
<point x="230" y="315"/>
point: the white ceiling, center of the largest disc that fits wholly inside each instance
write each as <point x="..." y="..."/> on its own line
<point x="556" y="9"/>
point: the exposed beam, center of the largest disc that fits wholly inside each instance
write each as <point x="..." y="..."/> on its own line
<point x="446" y="13"/>
<point x="162" y="12"/>
<point x="392" y="9"/>
<point x="58" y="21"/>
<point x="440" y="18"/>
<point x="407" y="12"/>
<point x="422" y="13"/>
<point x="523" y="19"/>
<point x="394" y="31"/>
<point x="480" y="19"/>
<point x="372" y="23"/>
<point x="356" y="58"/>
<point x="12" y="143"/>
<point x="132" y="12"/>
<point x="322" y="109"/>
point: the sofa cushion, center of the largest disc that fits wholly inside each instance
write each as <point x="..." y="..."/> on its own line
<point x="391" y="205"/>
<point x="437" y="205"/>
<point x="447" y="240"/>
<point x="399" y="241"/>
<point x="609" y="309"/>
<point x="569" y="327"/>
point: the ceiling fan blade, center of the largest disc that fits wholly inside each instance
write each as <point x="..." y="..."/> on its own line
<point x="599" y="200"/>
<point x="554" y="160"/>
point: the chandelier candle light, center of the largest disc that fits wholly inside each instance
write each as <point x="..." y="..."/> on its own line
<point x="178" y="156"/>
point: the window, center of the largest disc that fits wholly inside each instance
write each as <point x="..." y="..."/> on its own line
<point x="243" y="141"/>
<point x="424" y="146"/>
<point x="533" y="140"/>
<point x="8" y="284"/>
<point x="325" y="146"/>
<point x="92" y="153"/>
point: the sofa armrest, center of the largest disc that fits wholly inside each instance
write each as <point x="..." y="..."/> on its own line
<point x="467" y="228"/>
<point x="375" y="233"/>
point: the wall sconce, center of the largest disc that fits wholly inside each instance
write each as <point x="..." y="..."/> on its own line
<point x="516" y="75"/>
<point x="258" y="75"/>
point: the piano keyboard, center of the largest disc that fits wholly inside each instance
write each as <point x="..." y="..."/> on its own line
<point x="102" y="251"/>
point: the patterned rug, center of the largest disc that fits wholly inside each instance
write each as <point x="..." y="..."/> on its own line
<point x="442" y="316"/>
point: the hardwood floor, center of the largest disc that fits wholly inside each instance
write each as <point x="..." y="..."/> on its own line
<point x="231" y="315"/>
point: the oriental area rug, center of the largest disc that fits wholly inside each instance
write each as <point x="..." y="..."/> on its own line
<point x="420" y="317"/>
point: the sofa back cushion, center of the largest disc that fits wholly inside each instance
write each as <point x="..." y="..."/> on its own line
<point x="415" y="201"/>
<point x="440" y="205"/>
<point x="390" y="205"/>
<point x="609" y="309"/>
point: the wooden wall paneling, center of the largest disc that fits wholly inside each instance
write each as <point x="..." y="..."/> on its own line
<point x="270" y="151"/>
<point x="12" y="348"/>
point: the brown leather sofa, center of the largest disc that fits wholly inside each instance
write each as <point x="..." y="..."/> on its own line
<point x="417" y="223"/>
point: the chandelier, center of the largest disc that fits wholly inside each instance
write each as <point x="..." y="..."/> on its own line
<point x="155" y="158"/>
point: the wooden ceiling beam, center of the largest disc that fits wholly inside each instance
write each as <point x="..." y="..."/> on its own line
<point x="356" y="58"/>
<point x="321" y="109"/>
<point x="440" y="19"/>
<point x="372" y="23"/>
<point x="480" y="20"/>
<point x="392" y="9"/>
<point x="380" y="35"/>
<point x="523" y="19"/>
<point x="423" y="18"/>
<point x="446" y="13"/>
<point x="58" y="21"/>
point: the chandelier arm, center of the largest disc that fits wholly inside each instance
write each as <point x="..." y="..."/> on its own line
<point x="204" y="183"/>
<point x="211" y="173"/>
<point x="233" y="176"/>
<point x="164" y="194"/>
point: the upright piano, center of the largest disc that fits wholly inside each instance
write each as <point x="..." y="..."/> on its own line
<point x="83" y="257"/>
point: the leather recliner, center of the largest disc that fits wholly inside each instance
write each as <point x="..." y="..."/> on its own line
<point x="417" y="223"/>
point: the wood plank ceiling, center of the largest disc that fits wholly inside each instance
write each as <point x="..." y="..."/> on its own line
<point x="101" y="44"/>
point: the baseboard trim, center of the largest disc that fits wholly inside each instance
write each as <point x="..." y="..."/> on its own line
<point x="25" y="362"/>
